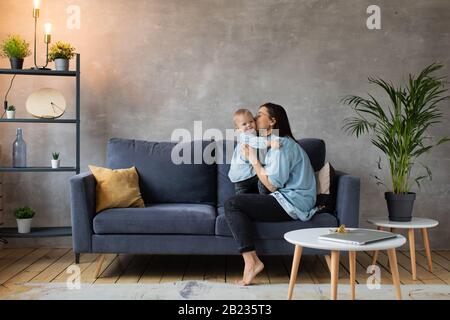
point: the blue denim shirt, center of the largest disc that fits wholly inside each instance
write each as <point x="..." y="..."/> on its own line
<point x="290" y="171"/>
<point x="240" y="168"/>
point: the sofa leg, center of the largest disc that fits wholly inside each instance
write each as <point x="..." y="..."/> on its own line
<point x="77" y="258"/>
<point x="99" y="265"/>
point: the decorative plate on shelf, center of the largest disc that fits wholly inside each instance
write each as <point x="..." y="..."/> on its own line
<point x="46" y="103"/>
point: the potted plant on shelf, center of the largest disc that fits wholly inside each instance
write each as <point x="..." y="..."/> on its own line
<point x="399" y="130"/>
<point x="11" y="112"/>
<point x="16" y="49"/>
<point x="61" y="53"/>
<point x="55" y="160"/>
<point x="24" y="217"/>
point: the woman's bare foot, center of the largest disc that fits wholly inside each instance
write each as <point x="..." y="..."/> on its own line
<point x="250" y="272"/>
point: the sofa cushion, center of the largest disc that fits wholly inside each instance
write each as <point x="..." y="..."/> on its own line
<point x="326" y="189"/>
<point x="315" y="148"/>
<point x="116" y="188"/>
<point x="196" y="219"/>
<point x="276" y="230"/>
<point x="161" y="180"/>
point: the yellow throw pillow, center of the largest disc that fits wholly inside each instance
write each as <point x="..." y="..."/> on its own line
<point x="117" y="188"/>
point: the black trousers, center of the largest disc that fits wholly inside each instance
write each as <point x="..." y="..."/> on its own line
<point x="241" y="211"/>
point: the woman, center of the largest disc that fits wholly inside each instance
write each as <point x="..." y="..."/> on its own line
<point x="287" y="173"/>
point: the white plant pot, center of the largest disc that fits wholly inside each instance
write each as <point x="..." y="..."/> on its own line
<point x="24" y="225"/>
<point x="10" y="114"/>
<point x="55" y="164"/>
<point x="62" y="65"/>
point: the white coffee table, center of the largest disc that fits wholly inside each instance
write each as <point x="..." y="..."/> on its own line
<point x="416" y="223"/>
<point x="308" y="238"/>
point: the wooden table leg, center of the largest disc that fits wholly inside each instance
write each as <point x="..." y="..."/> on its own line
<point x="295" y="264"/>
<point x="375" y="253"/>
<point x="352" y="263"/>
<point x="328" y="261"/>
<point x="374" y="257"/>
<point x="334" y="273"/>
<point x="394" y="270"/>
<point x="412" y="252"/>
<point x="426" y="244"/>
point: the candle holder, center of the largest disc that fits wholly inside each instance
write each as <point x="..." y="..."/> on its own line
<point x="47" y="39"/>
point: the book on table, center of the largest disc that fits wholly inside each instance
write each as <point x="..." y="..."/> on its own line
<point x="358" y="236"/>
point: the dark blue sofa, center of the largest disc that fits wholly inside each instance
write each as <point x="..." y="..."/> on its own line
<point x="184" y="211"/>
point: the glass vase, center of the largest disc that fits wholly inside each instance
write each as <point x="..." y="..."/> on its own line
<point x="19" y="151"/>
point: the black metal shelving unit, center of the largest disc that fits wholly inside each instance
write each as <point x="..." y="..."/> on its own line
<point x="46" y="231"/>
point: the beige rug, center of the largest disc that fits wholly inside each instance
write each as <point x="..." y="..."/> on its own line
<point x="203" y="290"/>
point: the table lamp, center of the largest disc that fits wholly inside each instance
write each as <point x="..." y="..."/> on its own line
<point x="47" y="37"/>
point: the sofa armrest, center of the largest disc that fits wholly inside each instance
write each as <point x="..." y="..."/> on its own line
<point x="82" y="206"/>
<point x="347" y="202"/>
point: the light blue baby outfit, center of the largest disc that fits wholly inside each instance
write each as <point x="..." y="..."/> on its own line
<point x="241" y="169"/>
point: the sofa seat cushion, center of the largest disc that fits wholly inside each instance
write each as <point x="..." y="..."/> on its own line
<point x="276" y="230"/>
<point x="196" y="219"/>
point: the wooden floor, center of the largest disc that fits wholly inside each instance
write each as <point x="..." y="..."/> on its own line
<point x="45" y="265"/>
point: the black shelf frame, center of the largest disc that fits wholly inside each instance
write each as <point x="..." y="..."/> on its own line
<point x="39" y="120"/>
<point x="47" y="231"/>
<point x="37" y="232"/>
<point x="32" y="72"/>
<point x="39" y="169"/>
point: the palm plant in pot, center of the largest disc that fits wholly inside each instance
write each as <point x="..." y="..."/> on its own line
<point x="24" y="217"/>
<point x="61" y="53"/>
<point x="399" y="130"/>
<point x="16" y="49"/>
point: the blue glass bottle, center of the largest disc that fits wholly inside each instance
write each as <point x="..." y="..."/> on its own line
<point x="19" y="151"/>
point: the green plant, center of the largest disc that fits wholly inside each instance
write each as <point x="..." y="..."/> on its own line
<point x="11" y="108"/>
<point x="15" y="47"/>
<point x="24" y="213"/>
<point x="61" y="50"/>
<point x="400" y="128"/>
<point x="55" y="155"/>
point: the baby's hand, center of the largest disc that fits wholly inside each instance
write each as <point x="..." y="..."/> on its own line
<point x="275" y="144"/>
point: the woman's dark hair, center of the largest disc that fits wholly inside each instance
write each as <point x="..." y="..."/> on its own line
<point x="278" y="113"/>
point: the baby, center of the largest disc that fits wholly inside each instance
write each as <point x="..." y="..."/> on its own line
<point x="241" y="171"/>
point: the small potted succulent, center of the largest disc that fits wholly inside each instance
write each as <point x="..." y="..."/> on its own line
<point x="61" y="53"/>
<point x="16" y="49"/>
<point x="11" y="112"/>
<point x="24" y="216"/>
<point x="55" y="160"/>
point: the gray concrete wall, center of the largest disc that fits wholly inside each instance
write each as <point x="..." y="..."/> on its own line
<point x="151" y="66"/>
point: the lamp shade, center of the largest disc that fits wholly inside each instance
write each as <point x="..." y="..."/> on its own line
<point x="48" y="28"/>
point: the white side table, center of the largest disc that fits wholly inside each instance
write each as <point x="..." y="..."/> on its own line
<point x="309" y="238"/>
<point x="416" y="223"/>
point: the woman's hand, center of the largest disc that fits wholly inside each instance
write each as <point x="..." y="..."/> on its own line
<point x="249" y="153"/>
